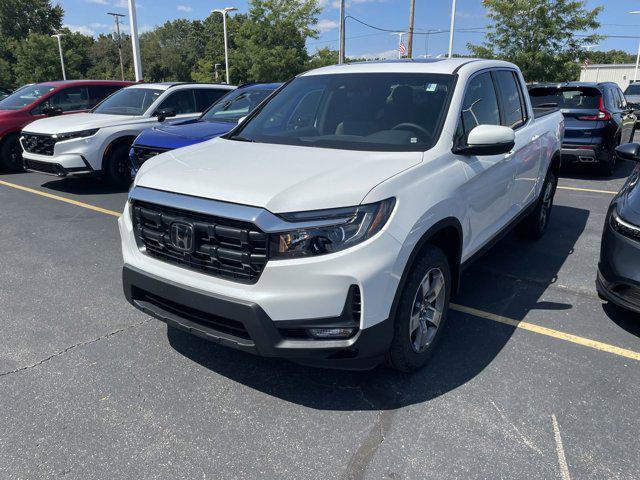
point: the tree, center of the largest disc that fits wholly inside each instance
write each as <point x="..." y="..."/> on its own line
<point x="323" y="57"/>
<point x="18" y="18"/>
<point x="540" y="36"/>
<point x="105" y="59"/>
<point x="271" y="43"/>
<point x="608" y="56"/>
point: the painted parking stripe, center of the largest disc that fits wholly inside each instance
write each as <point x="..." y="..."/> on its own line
<point x="549" y="332"/>
<point x="605" y="347"/>
<point x="589" y="190"/>
<point x="61" y="199"/>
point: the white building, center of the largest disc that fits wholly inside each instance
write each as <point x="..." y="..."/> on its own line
<point x="621" y="73"/>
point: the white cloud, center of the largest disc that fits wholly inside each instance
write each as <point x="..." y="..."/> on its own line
<point x="99" y="2"/>
<point x="125" y="4"/>
<point x="99" y="26"/>
<point x="324" y="25"/>
<point x="463" y="14"/>
<point x="184" y="8"/>
<point x="372" y="56"/>
<point x="83" y="29"/>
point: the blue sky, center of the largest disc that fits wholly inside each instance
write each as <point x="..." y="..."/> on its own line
<point x="90" y="16"/>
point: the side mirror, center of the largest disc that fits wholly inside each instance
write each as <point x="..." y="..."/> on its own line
<point x="165" y="113"/>
<point x="488" y="140"/>
<point x="629" y="151"/>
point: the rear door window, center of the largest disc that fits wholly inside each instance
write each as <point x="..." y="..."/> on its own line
<point x="511" y="100"/>
<point x="205" y="97"/>
<point x="181" y="102"/>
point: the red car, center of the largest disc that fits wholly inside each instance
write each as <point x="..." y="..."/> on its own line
<point x="40" y="100"/>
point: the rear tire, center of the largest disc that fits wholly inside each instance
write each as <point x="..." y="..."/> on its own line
<point x="422" y="311"/>
<point x="608" y="164"/>
<point x="116" y="169"/>
<point x="535" y="224"/>
<point x="11" y="153"/>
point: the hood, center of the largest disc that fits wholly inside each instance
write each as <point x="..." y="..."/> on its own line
<point x="80" y="121"/>
<point x="182" y="134"/>
<point x="280" y="178"/>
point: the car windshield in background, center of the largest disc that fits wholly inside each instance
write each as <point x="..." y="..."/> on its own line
<point x="128" y="101"/>
<point x="565" y="97"/>
<point x="235" y="105"/>
<point x="372" y="111"/>
<point x="24" y="96"/>
<point x="633" y="89"/>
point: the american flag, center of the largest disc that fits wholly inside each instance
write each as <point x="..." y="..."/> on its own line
<point x="402" y="49"/>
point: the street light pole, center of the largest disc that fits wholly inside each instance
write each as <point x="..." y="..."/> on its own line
<point x="453" y="23"/>
<point x="224" y="12"/>
<point x="117" y="17"/>
<point x="135" y="43"/>
<point x="400" y="34"/>
<point x="635" y="73"/>
<point x="341" y="54"/>
<point x="58" y="35"/>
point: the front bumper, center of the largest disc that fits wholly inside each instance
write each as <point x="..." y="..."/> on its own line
<point x="245" y="325"/>
<point x="618" y="277"/>
<point x="54" y="168"/>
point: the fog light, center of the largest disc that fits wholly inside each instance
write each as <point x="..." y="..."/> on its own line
<point x="331" y="332"/>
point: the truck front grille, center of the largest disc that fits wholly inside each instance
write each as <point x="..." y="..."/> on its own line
<point x="38" y="143"/>
<point x="141" y="154"/>
<point x="216" y="246"/>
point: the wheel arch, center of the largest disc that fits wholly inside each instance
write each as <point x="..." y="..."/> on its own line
<point x="116" y="142"/>
<point x="446" y="234"/>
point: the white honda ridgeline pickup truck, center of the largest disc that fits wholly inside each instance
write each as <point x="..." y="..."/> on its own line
<point x="332" y="225"/>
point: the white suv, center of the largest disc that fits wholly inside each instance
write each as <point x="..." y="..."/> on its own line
<point x="331" y="226"/>
<point x="99" y="141"/>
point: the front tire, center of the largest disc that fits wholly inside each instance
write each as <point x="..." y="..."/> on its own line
<point x="116" y="169"/>
<point x="422" y="311"/>
<point x="11" y="154"/>
<point x="535" y="224"/>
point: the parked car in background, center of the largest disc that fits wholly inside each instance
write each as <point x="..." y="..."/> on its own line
<point x="632" y="96"/>
<point x="618" y="279"/>
<point x="597" y="120"/>
<point x="332" y="225"/>
<point x="31" y="102"/>
<point x="99" y="141"/>
<point x="218" y="120"/>
<point x="4" y="92"/>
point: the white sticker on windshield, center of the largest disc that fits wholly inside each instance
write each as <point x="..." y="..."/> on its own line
<point x="431" y="87"/>
<point x="414" y="140"/>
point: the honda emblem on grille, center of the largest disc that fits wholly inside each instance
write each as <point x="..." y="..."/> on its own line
<point x="182" y="236"/>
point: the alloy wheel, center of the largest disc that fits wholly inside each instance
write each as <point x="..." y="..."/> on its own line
<point x="426" y="313"/>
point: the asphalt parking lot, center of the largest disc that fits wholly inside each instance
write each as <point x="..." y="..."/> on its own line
<point x="535" y="378"/>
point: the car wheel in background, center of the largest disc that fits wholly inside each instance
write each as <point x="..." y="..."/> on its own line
<point x="11" y="153"/>
<point x="117" y="167"/>
<point x="422" y="311"/>
<point x="608" y="161"/>
<point x="535" y="224"/>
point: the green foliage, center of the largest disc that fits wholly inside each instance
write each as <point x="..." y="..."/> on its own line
<point x="540" y="36"/>
<point x="608" y="56"/>
<point x="323" y="57"/>
<point x="18" y="18"/>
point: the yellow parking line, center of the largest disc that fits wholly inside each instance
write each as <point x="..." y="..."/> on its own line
<point x="549" y="332"/>
<point x="605" y="347"/>
<point x="61" y="199"/>
<point x="590" y="190"/>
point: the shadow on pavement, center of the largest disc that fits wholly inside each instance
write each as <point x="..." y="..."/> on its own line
<point x="628" y="321"/>
<point x="468" y="346"/>
<point x="588" y="171"/>
<point x="82" y="186"/>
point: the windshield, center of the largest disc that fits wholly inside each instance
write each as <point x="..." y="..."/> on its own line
<point x="24" y="97"/>
<point x="372" y="111"/>
<point x="633" y="89"/>
<point x="236" y="104"/>
<point x="566" y="97"/>
<point x="128" y="101"/>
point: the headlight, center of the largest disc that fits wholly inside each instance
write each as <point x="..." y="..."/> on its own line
<point x="80" y="134"/>
<point x="339" y="228"/>
<point x="623" y="227"/>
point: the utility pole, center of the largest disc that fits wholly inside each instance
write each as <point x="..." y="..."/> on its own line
<point x="635" y="73"/>
<point x="135" y="43"/>
<point x="410" y="39"/>
<point x="224" y="12"/>
<point x="117" y="17"/>
<point x="453" y="24"/>
<point x="341" y="54"/>
<point x="58" y="35"/>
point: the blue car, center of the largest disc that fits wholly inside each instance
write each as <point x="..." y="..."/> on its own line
<point x="219" y="119"/>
